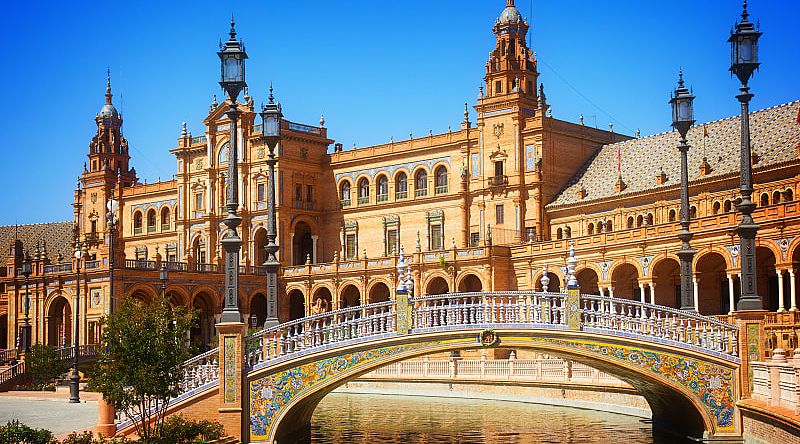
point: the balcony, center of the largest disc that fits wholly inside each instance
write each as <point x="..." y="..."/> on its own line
<point x="440" y="189"/>
<point x="363" y="200"/>
<point x="498" y="181"/>
<point x="151" y="229"/>
<point x="165" y="227"/>
<point x="137" y="230"/>
<point x="345" y="203"/>
<point x="421" y="192"/>
<point x="382" y="197"/>
<point x="400" y="195"/>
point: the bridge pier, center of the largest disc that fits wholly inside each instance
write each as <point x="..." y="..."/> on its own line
<point x="106" y="419"/>
<point x="232" y="392"/>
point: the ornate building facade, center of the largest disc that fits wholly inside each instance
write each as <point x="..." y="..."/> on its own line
<point x="491" y="205"/>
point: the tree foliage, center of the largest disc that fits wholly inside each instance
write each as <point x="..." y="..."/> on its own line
<point x="43" y="365"/>
<point x="15" y="432"/>
<point x="139" y="366"/>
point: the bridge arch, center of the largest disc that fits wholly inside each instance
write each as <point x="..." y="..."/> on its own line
<point x="653" y="370"/>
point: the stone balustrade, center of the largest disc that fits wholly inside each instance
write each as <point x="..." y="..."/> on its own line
<point x="777" y="382"/>
<point x="539" y="369"/>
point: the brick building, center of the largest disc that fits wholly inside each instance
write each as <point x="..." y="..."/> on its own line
<point x="490" y="205"/>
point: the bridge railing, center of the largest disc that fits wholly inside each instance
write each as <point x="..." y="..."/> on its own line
<point x="8" y="355"/>
<point x="67" y="353"/>
<point x="200" y="370"/>
<point x="12" y="372"/>
<point x="511" y="307"/>
<point x="295" y="337"/>
<point x="685" y="327"/>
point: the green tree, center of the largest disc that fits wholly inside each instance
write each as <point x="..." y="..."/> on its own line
<point x="139" y="366"/>
<point x="43" y="365"/>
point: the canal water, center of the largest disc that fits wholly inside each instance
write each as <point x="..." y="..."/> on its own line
<point x="390" y="419"/>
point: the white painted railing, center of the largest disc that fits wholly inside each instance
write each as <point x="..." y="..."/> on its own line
<point x="777" y="382"/>
<point x="633" y="317"/>
<point x="479" y="309"/>
<point x="295" y="338"/>
<point x="200" y="370"/>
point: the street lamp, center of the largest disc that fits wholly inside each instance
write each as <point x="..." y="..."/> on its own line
<point x="75" y="379"/>
<point x="163" y="275"/>
<point x="271" y="116"/>
<point x="232" y="80"/>
<point x="27" y="269"/>
<point x="682" y="120"/>
<point x="744" y="60"/>
<point x="111" y="216"/>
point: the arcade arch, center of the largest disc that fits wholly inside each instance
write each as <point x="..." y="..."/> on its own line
<point x="437" y="285"/>
<point x="470" y="283"/>
<point x="625" y="282"/>
<point x="379" y="292"/>
<point x="350" y="297"/>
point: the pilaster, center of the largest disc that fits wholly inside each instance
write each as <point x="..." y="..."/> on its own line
<point x="232" y="388"/>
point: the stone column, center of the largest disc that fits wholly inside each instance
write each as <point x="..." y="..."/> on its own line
<point x="602" y="291"/>
<point x="652" y="292"/>
<point x="792" y="290"/>
<point x="314" y="239"/>
<point x="696" y="294"/>
<point x="233" y="386"/>
<point x="106" y="424"/>
<point x="731" y="302"/>
<point x="611" y="291"/>
<point x="291" y="251"/>
<point x="641" y="293"/>
<point x="780" y="290"/>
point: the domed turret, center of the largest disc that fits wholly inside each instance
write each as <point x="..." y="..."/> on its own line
<point x="108" y="109"/>
<point x="510" y="15"/>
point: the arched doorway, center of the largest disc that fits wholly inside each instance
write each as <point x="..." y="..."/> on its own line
<point x="712" y="286"/>
<point x="667" y="281"/>
<point x="258" y="307"/>
<point x="3" y="331"/>
<point x="202" y="332"/>
<point x="199" y="250"/>
<point x="625" y="282"/>
<point x="554" y="286"/>
<point x="302" y="244"/>
<point x="470" y="283"/>
<point x="437" y="285"/>
<point x="327" y="299"/>
<point x="259" y="247"/>
<point x="767" y="279"/>
<point x="351" y="297"/>
<point x="587" y="280"/>
<point x="59" y="322"/>
<point x="379" y="293"/>
<point x="297" y="305"/>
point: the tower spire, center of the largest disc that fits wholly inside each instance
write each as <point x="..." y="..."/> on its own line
<point x="108" y="86"/>
<point x="511" y="3"/>
<point x="233" y="28"/>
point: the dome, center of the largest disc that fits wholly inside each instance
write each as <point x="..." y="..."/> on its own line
<point x="108" y="110"/>
<point x="510" y="15"/>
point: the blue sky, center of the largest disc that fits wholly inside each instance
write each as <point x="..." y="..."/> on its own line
<point x="375" y="69"/>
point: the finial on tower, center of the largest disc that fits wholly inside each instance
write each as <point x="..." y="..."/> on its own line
<point x="466" y="112"/>
<point x="680" y="77"/>
<point x="511" y="3"/>
<point x="108" y="86"/>
<point x="233" y="28"/>
<point x="271" y="97"/>
<point x="184" y="133"/>
<point x="745" y="14"/>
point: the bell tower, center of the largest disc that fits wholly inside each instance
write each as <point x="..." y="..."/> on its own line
<point x="108" y="150"/>
<point x="511" y="68"/>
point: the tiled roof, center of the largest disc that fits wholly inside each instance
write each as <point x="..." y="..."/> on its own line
<point x="774" y="133"/>
<point x="58" y="236"/>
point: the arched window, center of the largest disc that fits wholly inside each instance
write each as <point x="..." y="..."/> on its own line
<point x="401" y="186"/>
<point x="764" y="199"/>
<point x="590" y="229"/>
<point x="363" y="191"/>
<point x="649" y="218"/>
<point x="788" y="195"/>
<point x="630" y="222"/>
<point x="441" y="180"/>
<point x="639" y="221"/>
<point x="344" y="189"/>
<point x="609" y="226"/>
<point x="776" y="197"/>
<point x="728" y="206"/>
<point x="165" y="219"/>
<point x="559" y="234"/>
<point x="421" y="183"/>
<point x="223" y="154"/>
<point x="383" y="188"/>
<point x="137" y="223"/>
<point x="693" y="212"/>
<point x="599" y="227"/>
<point x="151" y="220"/>
<point x="672" y="215"/>
<point x="568" y="232"/>
<point x="715" y="208"/>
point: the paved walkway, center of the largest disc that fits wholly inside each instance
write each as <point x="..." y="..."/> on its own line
<point x="49" y="410"/>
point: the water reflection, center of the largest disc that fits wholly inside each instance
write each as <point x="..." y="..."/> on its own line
<point x="347" y="418"/>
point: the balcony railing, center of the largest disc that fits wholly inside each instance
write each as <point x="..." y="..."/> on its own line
<point x="92" y="265"/>
<point x="345" y="203"/>
<point x="421" y="192"/>
<point x="175" y="266"/>
<point x="363" y="200"/>
<point x="165" y="227"/>
<point x="137" y="230"/>
<point x="199" y="139"/>
<point x="498" y="181"/>
<point x="441" y="189"/>
<point x="383" y="198"/>
<point x="301" y="205"/>
<point x="58" y="268"/>
<point x="206" y="268"/>
<point x="140" y="264"/>
<point x="401" y="195"/>
<point x="151" y="228"/>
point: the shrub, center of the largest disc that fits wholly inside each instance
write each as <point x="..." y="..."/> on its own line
<point x="43" y="365"/>
<point x="179" y="430"/>
<point x="16" y="433"/>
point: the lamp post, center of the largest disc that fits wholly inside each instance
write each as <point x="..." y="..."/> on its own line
<point x="232" y="57"/>
<point x="163" y="275"/>
<point x="111" y="216"/>
<point x="682" y="120"/>
<point x="27" y="269"/>
<point x="75" y="379"/>
<point x="271" y="116"/>
<point x="744" y="60"/>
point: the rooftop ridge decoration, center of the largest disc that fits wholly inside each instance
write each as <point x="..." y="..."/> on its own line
<point x="774" y="137"/>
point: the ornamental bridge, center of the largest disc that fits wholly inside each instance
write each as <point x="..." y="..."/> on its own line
<point x="264" y="387"/>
